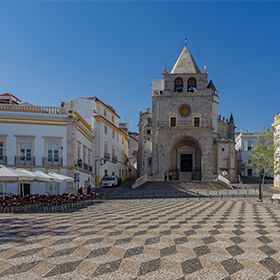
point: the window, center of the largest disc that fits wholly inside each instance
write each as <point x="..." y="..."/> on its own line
<point x="113" y="153"/>
<point x="113" y="119"/>
<point x="53" y="152"/>
<point x="191" y="85"/>
<point x="105" y="129"/>
<point x="84" y="153"/>
<point x="89" y="157"/>
<point x="149" y="161"/>
<point x="105" y="148"/>
<point x="79" y="151"/>
<point x="250" y="145"/>
<point x="249" y="172"/>
<point x="1" y="150"/>
<point x="173" y="121"/>
<point x="178" y="85"/>
<point x="105" y="113"/>
<point x="113" y="134"/>
<point x="25" y="151"/>
<point x="148" y="131"/>
<point x="196" y="121"/>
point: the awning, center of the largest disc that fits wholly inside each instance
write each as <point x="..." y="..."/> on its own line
<point x="60" y="178"/>
<point x="8" y="174"/>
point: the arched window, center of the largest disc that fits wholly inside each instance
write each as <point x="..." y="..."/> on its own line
<point x="191" y="85"/>
<point x="178" y="85"/>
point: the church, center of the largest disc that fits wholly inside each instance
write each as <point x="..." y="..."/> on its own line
<point x="182" y="137"/>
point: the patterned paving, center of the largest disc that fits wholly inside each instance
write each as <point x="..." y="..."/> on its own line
<point x="147" y="239"/>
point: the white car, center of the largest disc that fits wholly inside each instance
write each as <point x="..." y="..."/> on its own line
<point x="109" y="181"/>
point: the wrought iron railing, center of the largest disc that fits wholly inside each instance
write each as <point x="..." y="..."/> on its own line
<point x="23" y="160"/>
<point x="3" y="160"/>
<point x="106" y="155"/>
<point x="52" y="161"/>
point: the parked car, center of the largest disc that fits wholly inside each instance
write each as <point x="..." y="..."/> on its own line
<point x="109" y="181"/>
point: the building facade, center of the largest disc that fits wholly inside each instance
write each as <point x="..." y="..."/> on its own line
<point x="111" y="141"/>
<point x="133" y="152"/>
<point x="276" y="126"/>
<point x="48" y="139"/>
<point x="244" y="143"/>
<point x="182" y="136"/>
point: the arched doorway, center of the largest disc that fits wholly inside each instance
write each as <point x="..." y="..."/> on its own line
<point x="185" y="160"/>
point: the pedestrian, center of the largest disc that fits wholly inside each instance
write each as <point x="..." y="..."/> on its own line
<point x="165" y="176"/>
<point x="170" y="176"/>
<point x="89" y="189"/>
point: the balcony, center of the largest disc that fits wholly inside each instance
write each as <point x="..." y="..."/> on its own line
<point x="3" y="160"/>
<point x="106" y="156"/>
<point x="80" y="163"/>
<point x="52" y="161"/>
<point x="85" y="166"/>
<point x="114" y="159"/>
<point x="23" y="161"/>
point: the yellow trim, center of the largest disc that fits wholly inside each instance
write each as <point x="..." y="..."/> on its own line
<point x="84" y="132"/>
<point x="107" y="107"/>
<point x="34" y="123"/>
<point x="117" y="129"/>
<point x="32" y="118"/>
<point x="83" y="121"/>
<point x="277" y="188"/>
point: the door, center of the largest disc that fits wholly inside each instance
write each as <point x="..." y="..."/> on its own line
<point x="186" y="163"/>
<point x="24" y="189"/>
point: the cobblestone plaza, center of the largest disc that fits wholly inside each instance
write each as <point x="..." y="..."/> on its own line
<point x="145" y="239"/>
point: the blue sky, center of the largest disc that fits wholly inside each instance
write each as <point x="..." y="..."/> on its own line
<point x="54" y="51"/>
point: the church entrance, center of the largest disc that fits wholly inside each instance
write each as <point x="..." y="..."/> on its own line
<point x="185" y="160"/>
<point x="186" y="163"/>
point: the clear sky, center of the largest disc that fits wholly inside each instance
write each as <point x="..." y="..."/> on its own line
<point x="54" y="51"/>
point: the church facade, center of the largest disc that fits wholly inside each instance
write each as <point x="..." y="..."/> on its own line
<point x="182" y="137"/>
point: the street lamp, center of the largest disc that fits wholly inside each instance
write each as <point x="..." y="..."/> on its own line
<point x="260" y="186"/>
<point x="102" y="162"/>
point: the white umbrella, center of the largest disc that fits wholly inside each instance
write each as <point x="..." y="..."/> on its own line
<point x="8" y="174"/>
<point x="42" y="176"/>
<point x="24" y="175"/>
<point x="60" y="178"/>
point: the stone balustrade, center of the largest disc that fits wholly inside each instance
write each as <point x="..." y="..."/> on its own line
<point x="33" y="109"/>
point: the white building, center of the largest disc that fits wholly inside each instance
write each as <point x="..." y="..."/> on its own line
<point x="133" y="152"/>
<point x="111" y="142"/>
<point x="244" y="143"/>
<point x="48" y="139"/>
